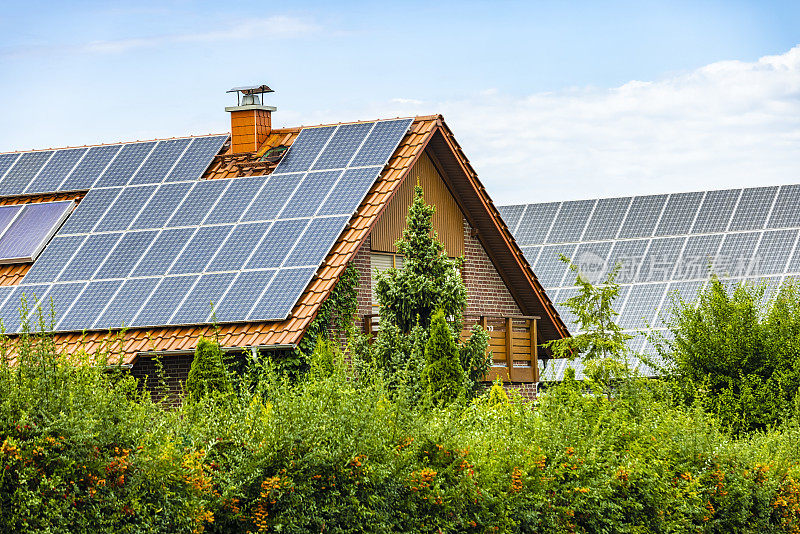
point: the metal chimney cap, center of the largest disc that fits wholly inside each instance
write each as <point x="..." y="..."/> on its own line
<point x="251" y="89"/>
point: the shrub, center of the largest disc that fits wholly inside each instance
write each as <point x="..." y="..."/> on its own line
<point x="207" y="375"/>
<point x="443" y="376"/>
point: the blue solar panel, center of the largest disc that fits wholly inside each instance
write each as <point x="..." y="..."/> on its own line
<point x="381" y="143"/>
<point x="198" y="202"/>
<point x="679" y="214"/>
<point x="348" y="193"/>
<point x="606" y="218"/>
<point x="233" y="203"/>
<point x="785" y="213"/>
<point x="697" y="257"/>
<point x="197" y="307"/>
<point x="629" y="255"/>
<point x="754" y="206"/>
<point x="272" y="197"/>
<point x="716" y="211"/>
<point x="550" y="270"/>
<point x="56" y="170"/>
<point x="535" y="223"/>
<point x="83" y="312"/>
<point x="52" y="260"/>
<point x="572" y="218"/>
<point x="282" y="294"/>
<point x="164" y="300"/>
<point x="160" y="161"/>
<point x="126" y="254"/>
<point x="89" y="257"/>
<point x="242" y="295"/>
<point x="58" y="300"/>
<point x="163" y="252"/>
<point x="197" y="158"/>
<point x="309" y="194"/>
<point x="22" y="173"/>
<point x="32" y="229"/>
<point x="276" y="244"/>
<point x="642" y="216"/>
<point x="342" y="146"/>
<point x="199" y="251"/>
<point x="305" y="149"/>
<point x="661" y="258"/>
<point x="161" y="205"/>
<point x="120" y="171"/>
<point x="242" y="241"/>
<point x="122" y="212"/>
<point x="511" y="215"/>
<point x="316" y="241"/>
<point x="7" y="214"/>
<point x="6" y="161"/>
<point x="124" y="306"/>
<point x="20" y="304"/>
<point x="89" y="211"/>
<point x="90" y="167"/>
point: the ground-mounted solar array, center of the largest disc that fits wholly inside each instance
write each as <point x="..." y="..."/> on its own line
<point x="665" y="245"/>
<point x="146" y="252"/>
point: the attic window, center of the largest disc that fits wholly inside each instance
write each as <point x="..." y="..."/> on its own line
<point x="25" y="229"/>
<point x="274" y="155"/>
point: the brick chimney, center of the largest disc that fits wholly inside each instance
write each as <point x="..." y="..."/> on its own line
<point x="251" y="122"/>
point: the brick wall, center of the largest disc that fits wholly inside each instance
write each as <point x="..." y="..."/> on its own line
<point x="176" y="369"/>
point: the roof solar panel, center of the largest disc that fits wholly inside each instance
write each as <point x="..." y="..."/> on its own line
<point x="31" y="229"/>
<point x="201" y="301"/>
<point x="198" y="202"/>
<point x="273" y="196"/>
<point x="277" y="243"/>
<point x="200" y="249"/>
<point x="243" y="294"/>
<point x="535" y="223"/>
<point x="698" y="256"/>
<point x="607" y="218"/>
<point x="85" y="174"/>
<point x="121" y="310"/>
<point x="349" y="191"/>
<point x="281" y="295"/>
<point x="381" y="143"/>
<point x="56" y="170"/>
<point x="233" y="203"/>
<point x="550" y="270"/>
<point x="643" y="216"/>
<point x="21" y="303"/>
<point x="163" y="252"/>
<point x="52" y="261"/>
<point x="661" y="258"/>
<point x="785" y="213"/>
<point x="23" y="172"/>
<point x="7" y="160"/>
<point x="161" y="205"/>
<point x="164" y="300"/>
<point x="753" y="209"/>
<point x="196" y="158"/>
<point x="735" y="257"/>
<point x="83" y="309"/>
<point x="310" y="194"/>
<point x="305" y="149"/>
<point x="242" y="241"/>
<point x="125" y="164"/>
<point x="124" y="208"/>
<point x="126" y="254"/>
<point x="57" y="301"/>
<point x="642" y="305"/>
<point x="679" y="214"/>
<point x="629" y="256"/>
<point x="343" y="145"/>
<point x="592" y="261"/>
<point x="531" y="254"/>
<point x="90" y="211"/>
<point x="570" y="222"/>
<point x="7" y="216"/>
<point x="89" y="257"/>
<point x="316" y="241"/>
<point x="160" y="161"/>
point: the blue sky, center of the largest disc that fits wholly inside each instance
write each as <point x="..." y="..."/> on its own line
<point x="550" y="100"/>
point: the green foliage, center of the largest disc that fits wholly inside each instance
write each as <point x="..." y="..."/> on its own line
<point x="207" y="375"/>
<point x="428" y="281"/>
<point x="737" y="353"/>
<point x="334" y="316"/>
<point x="497" y="394"/>
<point x="475" y="359"/>
<point x="443" y="376"/>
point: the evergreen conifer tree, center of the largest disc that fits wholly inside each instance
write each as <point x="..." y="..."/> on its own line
<point x="207" y="374"/>
<point x="443" y="376"/>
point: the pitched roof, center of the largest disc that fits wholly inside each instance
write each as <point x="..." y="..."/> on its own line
<point x="429" y="131"/>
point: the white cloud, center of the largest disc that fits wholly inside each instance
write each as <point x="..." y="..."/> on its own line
<point x="727" y="124"/>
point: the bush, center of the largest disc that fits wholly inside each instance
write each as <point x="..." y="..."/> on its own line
<point x="443" y="376"/>
<point x="207" y="375"/>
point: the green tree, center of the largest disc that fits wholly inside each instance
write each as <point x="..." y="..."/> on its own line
<point x="737" y="353"/>
<point x="428" y="280"/>
<point x="443" y="376"/>
<point x="600" y="342"/>
<point x="207" y="374"/>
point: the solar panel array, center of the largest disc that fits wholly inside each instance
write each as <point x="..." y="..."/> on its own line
<point x="72" y="169"/>
<point x="665" y="245"/>
<point x="147" y="252"/>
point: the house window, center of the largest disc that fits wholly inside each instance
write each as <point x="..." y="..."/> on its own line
<point x="381" y="262"/>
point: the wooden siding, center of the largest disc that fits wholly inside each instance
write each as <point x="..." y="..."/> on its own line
<point x="447" y="220"/>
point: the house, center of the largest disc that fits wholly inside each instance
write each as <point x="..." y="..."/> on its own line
<point x="666" y="246"/>
<point x="260" y="222"/>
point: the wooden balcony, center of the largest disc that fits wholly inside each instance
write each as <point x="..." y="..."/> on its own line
<point x="512" y="340"/>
